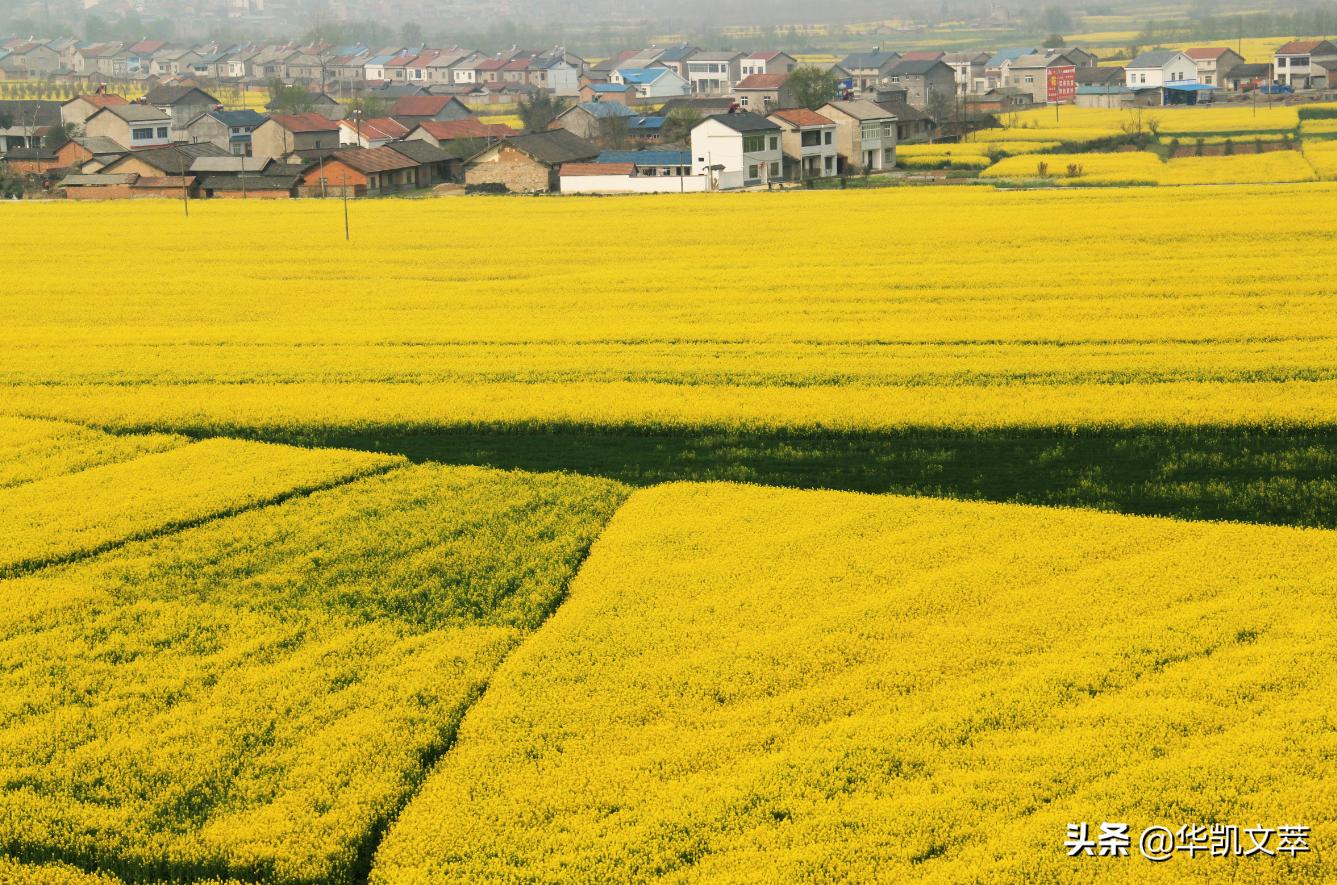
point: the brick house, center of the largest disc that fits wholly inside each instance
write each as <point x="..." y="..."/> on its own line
<point x="528" y="164"/>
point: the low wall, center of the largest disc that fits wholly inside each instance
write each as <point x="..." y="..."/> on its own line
<point x="625" y="184"/>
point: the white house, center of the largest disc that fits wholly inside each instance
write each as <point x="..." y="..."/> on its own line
<point x="714" y="73"/>
<point x="134" y="126"/>
<point x="1305" y="64"/>
<point x="651" y="82"/>
<point x="737" y="150"/>
<point x="1163" y="67"/>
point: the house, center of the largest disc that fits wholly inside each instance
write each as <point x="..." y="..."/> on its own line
<point x="913" y="126"/>
<point x="28" y="122"/>
<point x="135" y="126"/>
<point x="924" y="55"/>
<point x="275" y="184"/>
<point x="612" y="93"/>
<point x="714" y="73"/>
<point x="232" y="165"/>
<point x="164" y="187"/>
<point x="443" y="134"/>
<point x="32" y="60"/>
<point x="998" y="65"/>
<point x="865" y="135"/>
<point x="89" y="153"/>
<point x="926" y="82"/>
<point x="808" y="141"/>
<point x="434" y="164"/>
<point x="869" y="70"/>
<point x="99" y="186"/>
<point x="595" y="120"/>
<point x="1106" y="75"/>
<point x="1114" y="96"/>
<point x="1247" y="77"/>
<point x="358" y="172"/>
<point x="371" y="132"/>
<point x="999" y="100"/>
<point x="737" y="150"/>
<point x="1050" y="79"/>
<point x="181" y="103"/>
<point x="762" y="92"/>
<point x="527" y="163"/>
<point x="32" y="160"/>
<point x="1305" y="64"/>
<point x="1214" y="62"/>
<point x="969" y="70"/>
<point x="1160" y="67"/>
<point x="652" y="163"/>
<point x="1078" y="56"/>
<point x="767" y="63"/>
<point x="230" y="130"/>
<point x="174" y="159"/>
<point x="282" y="134"/>
<point x="77" y="110"/>
<point x="633" y="172"/>
<point x="555" y="74"/>
<point x="650" y="83"/>
<point x="675" y="58"/>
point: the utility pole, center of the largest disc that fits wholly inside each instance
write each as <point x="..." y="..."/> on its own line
<point x="185" y="196"/>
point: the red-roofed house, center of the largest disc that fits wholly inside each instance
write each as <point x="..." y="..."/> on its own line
<point x="489" y="70"/>
<point x="761" y="92"/>
<point x="77" y="110"/>
<point x="808" y="141"/>
<point x="283" y="134"/>
<point x="371" y="132"/>
<point x="923" y="55"/>
<point x="1214" y="63"/>
<point x="413" y="109"/>
<point x="767" y="63"/>
<point x="1306" y="64"/>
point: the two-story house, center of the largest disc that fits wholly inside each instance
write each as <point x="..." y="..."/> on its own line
<point x="1214" y="63"/>
<point x="865" y="135"/>
<point x="769" y="62"/>
<point x="135" y="126"/>
<point x="1160" y="68"/>
<point x="924" y="81"/>
<point x="650" y="82"/>
<point x="869" y="71"/>
<point x="1305" y="64"/>
<point x="714" y="73"/>
<point x="737" y="150"/>
<point x="808" y="141"/>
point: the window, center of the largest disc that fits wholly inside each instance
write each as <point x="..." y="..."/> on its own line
<point x="810" y="139"/>
<point x="754" y="144"/>
<point x="828" y="162"/>
<point x="1029" y="80"/>
<point x="775" y="142"/>
<point x="1281" y="62"/>
<point x="1299" y="62"/>
<point x="775" y="170"/>
<point x="752" y="171"/>
<point x="142" y="134"/>
<point x="742" y="101"/>
<point x="871" y="131"/>
<point x="828" y="136"/>
<point x="162" y="131"/>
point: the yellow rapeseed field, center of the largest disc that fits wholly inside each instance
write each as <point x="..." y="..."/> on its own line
<point x="757" y="685"/>
<point x="254" y="697"/>
<point x="1126" y="314"/>
<point x="34" y="449"/>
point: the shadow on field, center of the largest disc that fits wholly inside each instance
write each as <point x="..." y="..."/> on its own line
<point x="1283" y="476"/>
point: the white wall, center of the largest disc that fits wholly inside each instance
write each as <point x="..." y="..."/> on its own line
<point x="626" y="184"/>
<point x="1180" y="69"/>
<point x="715" y="144"/>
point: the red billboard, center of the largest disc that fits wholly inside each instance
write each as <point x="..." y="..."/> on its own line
<point x="1061" y="84"/>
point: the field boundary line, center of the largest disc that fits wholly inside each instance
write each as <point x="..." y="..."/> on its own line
<point x="29" y="566"/>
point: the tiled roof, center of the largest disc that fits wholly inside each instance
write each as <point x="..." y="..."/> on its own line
<point x="377" y="159"/>
<point x="647" y="158"/>
<point x="802" y="117"/>
<point x="1299" y="47"/>
<point x="1205" y="53"/>
<point x="102" y="100"/>
<point x="305" y="122"/>
<point x="763" y="81"/>
<point x="449" y="130"/>
<point x="745" y="121"/>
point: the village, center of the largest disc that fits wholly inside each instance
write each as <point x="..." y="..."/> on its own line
<point x="153" y="119"/>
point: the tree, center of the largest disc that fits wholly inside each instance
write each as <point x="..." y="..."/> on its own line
<point x="679" y="123"/>
<point x="812" y="87"/>
<point x="1055" y="41"/>
<point x="285" y="99"/>
<point x="615" y="132"/>
<point x="60" y="135"/>
<point x="370" y="106"/>
<point x="1056" y="19"/>
<point x="539" y="110"/>
<point x="411" y="34"/>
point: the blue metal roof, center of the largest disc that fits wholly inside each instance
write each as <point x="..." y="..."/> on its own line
<point x="608" y="87"/>
<point x="1003" y="55"/>
<point x="647" y="158"/>
<point x="1103" y="89"/>
<point x="1190" y="87"/>
<point x="646" y="124"/>
<point x="641" y="76"/>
